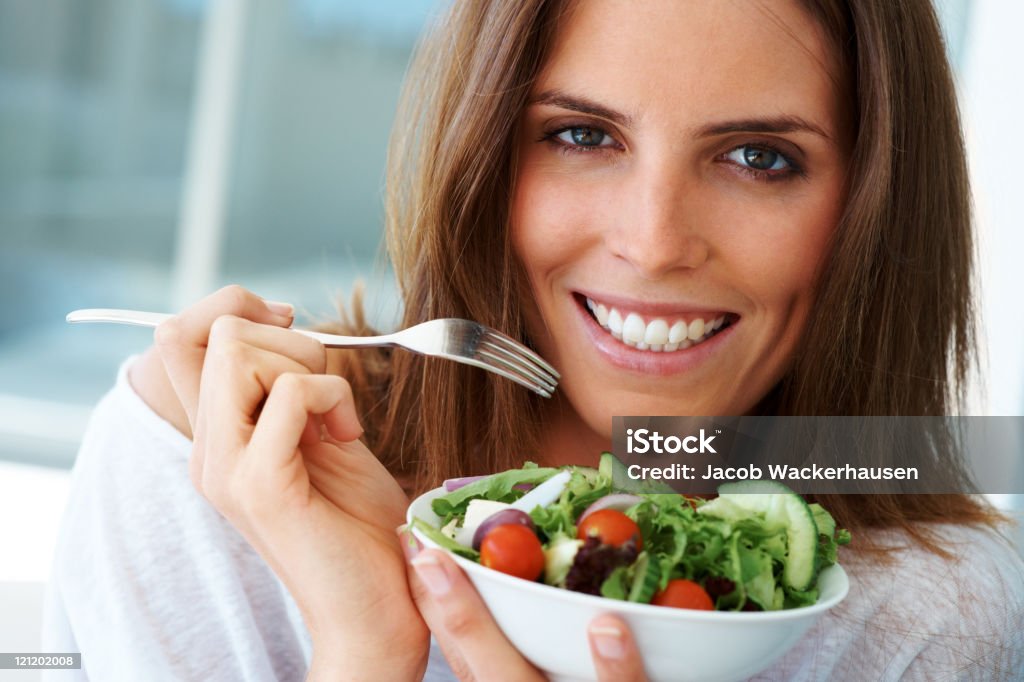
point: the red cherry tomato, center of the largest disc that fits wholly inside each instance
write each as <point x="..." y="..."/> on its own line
<point x="513" y="549"/>
<point x="611" y="527"/>
<point x="684" y="594"/>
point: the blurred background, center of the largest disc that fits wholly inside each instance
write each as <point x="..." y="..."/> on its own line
<point x="154" y="150"/>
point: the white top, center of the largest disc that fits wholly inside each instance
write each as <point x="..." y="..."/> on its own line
<point x="150" y="582"/>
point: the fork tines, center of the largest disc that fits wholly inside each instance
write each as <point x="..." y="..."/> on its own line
<point x="520" y="360"/>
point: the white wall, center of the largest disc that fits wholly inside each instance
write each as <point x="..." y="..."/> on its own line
<point x="992" y="98"/>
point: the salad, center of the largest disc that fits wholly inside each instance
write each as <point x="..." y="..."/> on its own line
<point x="757" y="546"/>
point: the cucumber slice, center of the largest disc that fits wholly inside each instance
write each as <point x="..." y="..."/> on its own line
<point x="646" y="579"/>
<point x="753" y="487"/>
<point x="780" y="508"/>
<point x="800" y="570"/>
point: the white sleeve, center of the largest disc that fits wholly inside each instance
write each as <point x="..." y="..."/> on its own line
<point x="981" y="636"/>
<point x="149" y="581"/>
<point x="921" y="617"/>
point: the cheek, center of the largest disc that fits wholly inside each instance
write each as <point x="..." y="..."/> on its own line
<point x="553" y="222"/>
<point x="810" y="242"/>
<point x="777" y="250"/>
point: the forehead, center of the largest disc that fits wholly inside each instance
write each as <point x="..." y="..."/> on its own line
<point x="692" y="60"/>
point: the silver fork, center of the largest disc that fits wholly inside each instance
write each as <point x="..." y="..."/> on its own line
<point x="463" y="341"/>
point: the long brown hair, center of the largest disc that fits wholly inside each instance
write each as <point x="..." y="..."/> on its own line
<point x="892" y="331"/>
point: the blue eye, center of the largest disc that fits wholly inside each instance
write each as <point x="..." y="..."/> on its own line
<point x="583" y="136"/>
<point x="760" y="159"/>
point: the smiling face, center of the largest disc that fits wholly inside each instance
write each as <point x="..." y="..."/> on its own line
<point x="680" y="173"/>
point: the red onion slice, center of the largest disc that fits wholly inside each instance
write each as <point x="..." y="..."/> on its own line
<point x="617" y="501"/>
<point x="453" y="484"/>
<point x="505" y="516"/>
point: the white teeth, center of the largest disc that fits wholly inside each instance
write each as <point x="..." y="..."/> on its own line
<point x="656" y="333"/>
<point x="633" y="328"/>
<point x="677" y="333"/>
<point x="600" y="312"/>
<point x="656" y="336"/>
<point x="615" y="322"/>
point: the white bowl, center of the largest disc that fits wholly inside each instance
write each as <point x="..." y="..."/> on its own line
<point x="548" y="625"/>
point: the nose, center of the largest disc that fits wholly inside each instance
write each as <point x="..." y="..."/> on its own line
<point x="658" y="229"/>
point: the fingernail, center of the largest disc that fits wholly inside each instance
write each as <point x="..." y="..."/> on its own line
<point x="432" y="573"/>
<point x="410" y="545"/>
<point x="608" y="642"/>
<point x="279" y="308"/>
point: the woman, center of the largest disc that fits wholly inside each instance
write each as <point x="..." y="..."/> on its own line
<point x="783" y="180"/>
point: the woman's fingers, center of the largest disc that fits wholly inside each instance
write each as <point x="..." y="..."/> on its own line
<point x="472" y="642"/>
<point x="293" y="398"/>
<point x="477" y="649"/>
<point x="411" y="547"/>
<point x="240" y="364"/>
<point x="304" y="350"/>
<point x="246" y="471"/>
<point x="615" y="655"/>
<point x="183" y="339"/>
<point x="236" y="380"/>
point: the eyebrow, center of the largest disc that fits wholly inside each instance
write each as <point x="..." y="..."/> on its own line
<point x="773" y="124"/>
<point x="558" y="98"/>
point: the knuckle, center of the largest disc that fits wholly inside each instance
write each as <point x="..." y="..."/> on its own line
<point x="346" y="389"/>
<point x="343" y="387"/>
<point x="459" y="621"/>
<point x="309" y="353"/>
<point x="230" y="352"/>
<point x="289" y="384"/>
<point x="226" y="327"/>
<point x="319" y="354"/>
<point x="234" y="297"/>
<point x="168" y="334"/>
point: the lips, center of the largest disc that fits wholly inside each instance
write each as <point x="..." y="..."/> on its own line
<point x="645" y="328"/>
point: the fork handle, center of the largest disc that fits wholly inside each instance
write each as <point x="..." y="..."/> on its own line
<point x="142" y="318"/>
<point x="139" y="318"/>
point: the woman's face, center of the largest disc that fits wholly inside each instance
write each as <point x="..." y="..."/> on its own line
<point x="681" y="170"/>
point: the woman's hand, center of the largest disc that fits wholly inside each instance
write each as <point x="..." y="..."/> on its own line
<point x="276" y="450"/>
<point x="471" y="641"/>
